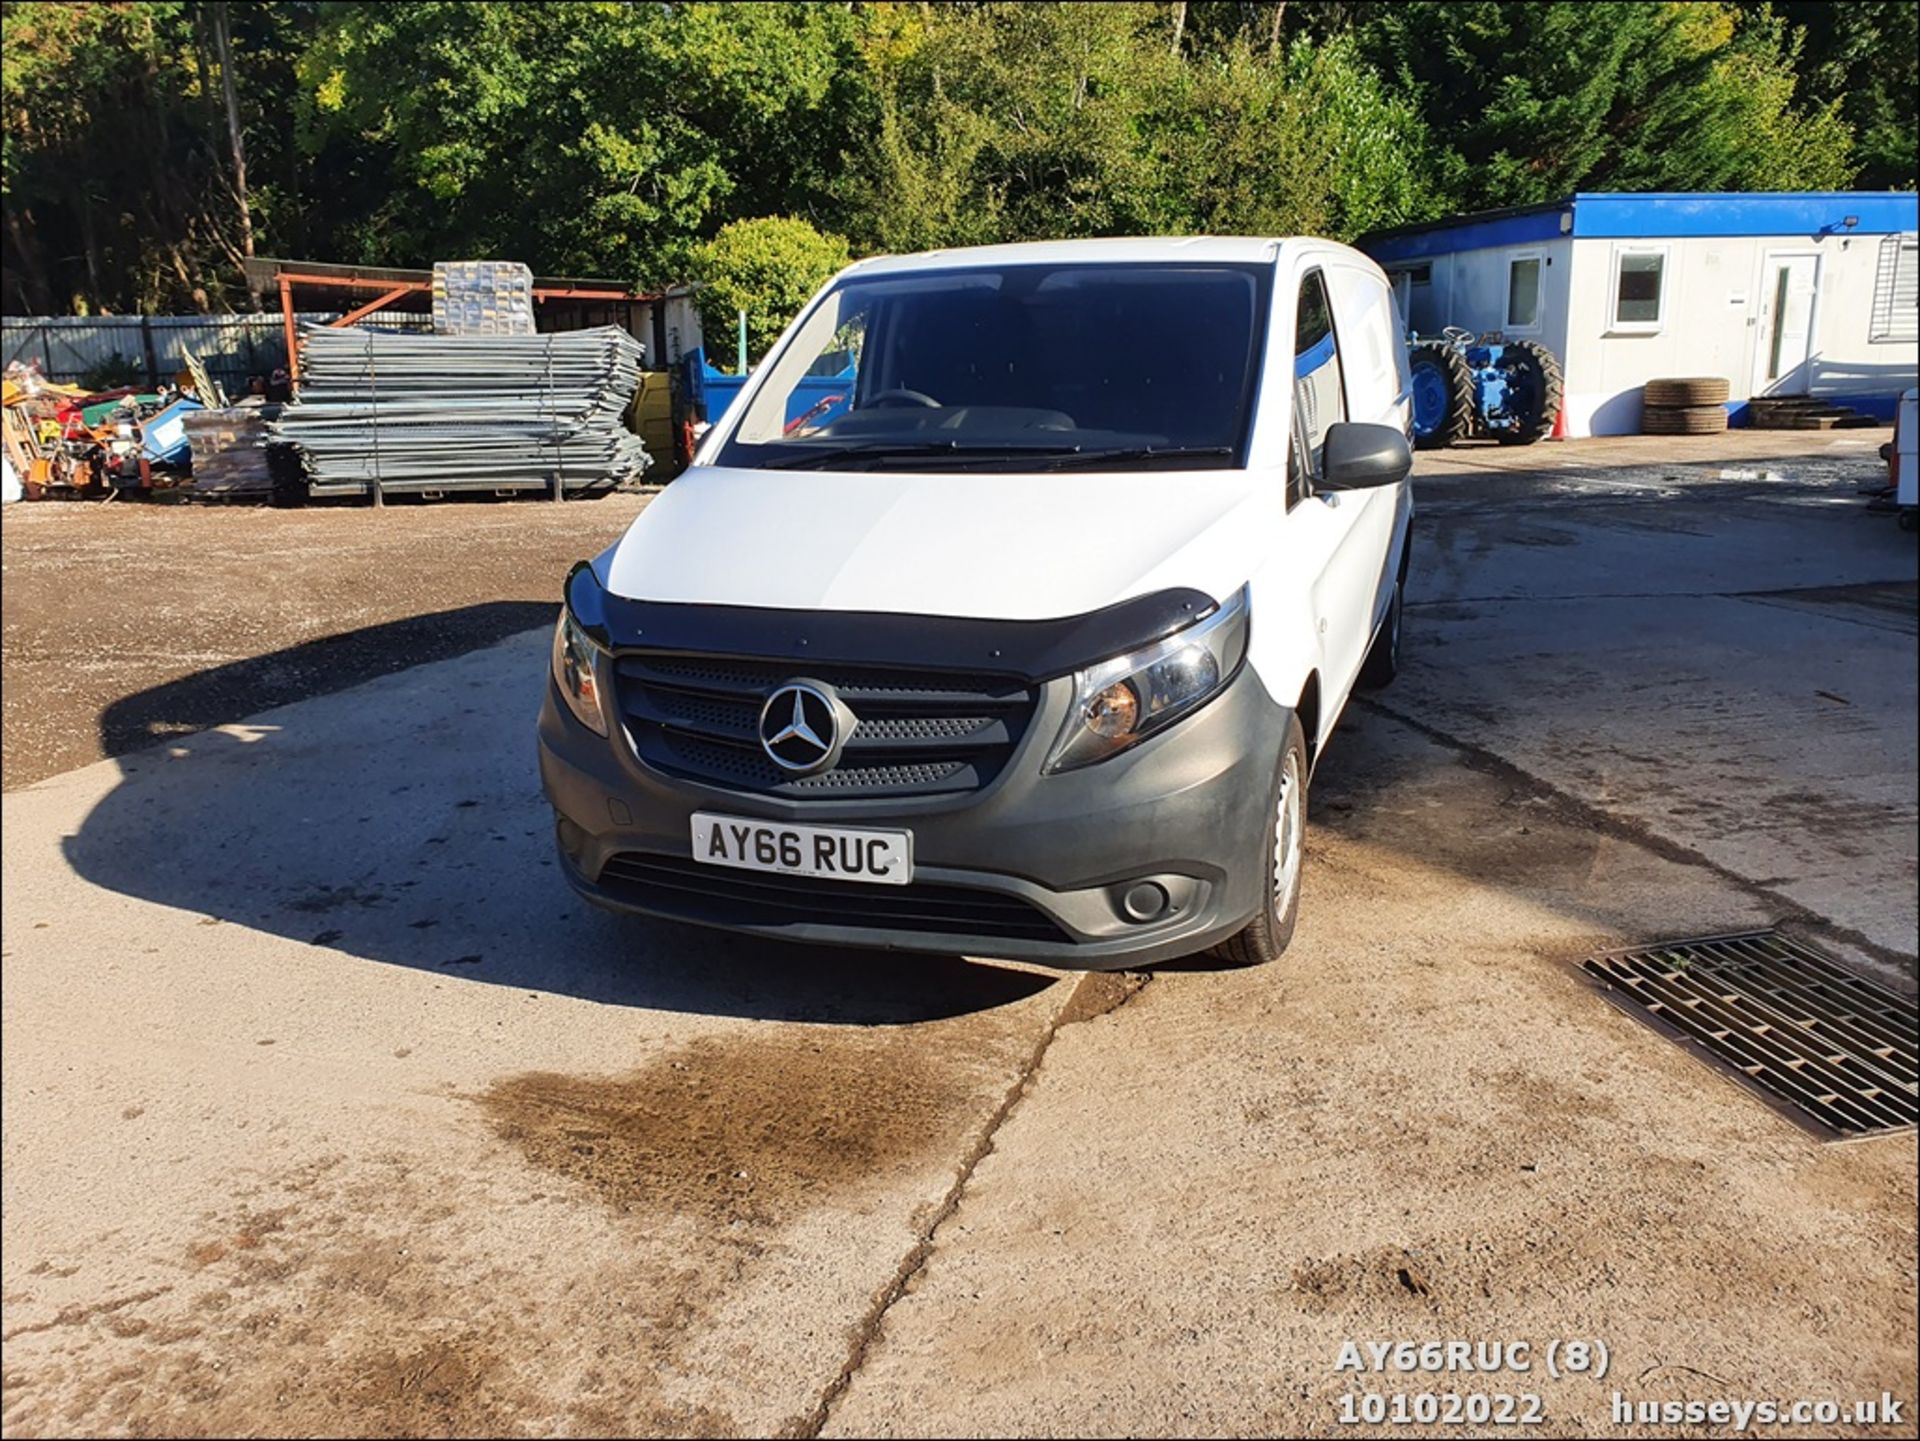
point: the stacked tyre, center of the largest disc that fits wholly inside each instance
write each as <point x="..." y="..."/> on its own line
<point x="1693" y="406"/>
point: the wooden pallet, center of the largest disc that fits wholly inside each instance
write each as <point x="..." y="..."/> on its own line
<point x="1803" y="412"/>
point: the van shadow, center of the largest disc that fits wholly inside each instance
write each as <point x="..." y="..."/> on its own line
<point x="401" y="821"/>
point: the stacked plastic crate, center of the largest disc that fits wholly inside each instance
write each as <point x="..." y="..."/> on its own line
<point x="482" y="297"/>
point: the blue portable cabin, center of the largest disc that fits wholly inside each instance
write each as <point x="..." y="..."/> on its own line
<point x="1783" y="294"/>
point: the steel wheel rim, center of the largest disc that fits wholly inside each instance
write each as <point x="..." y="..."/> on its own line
<point x="1286" y="836"/>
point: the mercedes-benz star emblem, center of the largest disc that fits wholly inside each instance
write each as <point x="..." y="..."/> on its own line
<point x="801" y="727"/>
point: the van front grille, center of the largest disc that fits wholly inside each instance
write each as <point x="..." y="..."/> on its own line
<point x="917" y="732"/>
<point x="678" y="886"/>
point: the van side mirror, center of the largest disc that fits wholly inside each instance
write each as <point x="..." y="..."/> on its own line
<point x="1358" y="454"/>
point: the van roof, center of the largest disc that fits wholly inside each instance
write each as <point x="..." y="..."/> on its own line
<point x="1116" y="250"/>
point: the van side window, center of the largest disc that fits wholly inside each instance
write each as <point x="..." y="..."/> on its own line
<point x="1319" y="388"/>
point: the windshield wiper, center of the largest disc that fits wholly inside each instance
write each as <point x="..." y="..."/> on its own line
<point x="897" y="450"/>
<point x="1136" y="452"/>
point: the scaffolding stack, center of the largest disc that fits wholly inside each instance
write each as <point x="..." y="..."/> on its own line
<point x="389" y="413"/>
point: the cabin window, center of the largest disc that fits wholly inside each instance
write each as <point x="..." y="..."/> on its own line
<point x="1523" y="292"/>
<point x="1896" y="292"/>
<point x="1639" y="288"/>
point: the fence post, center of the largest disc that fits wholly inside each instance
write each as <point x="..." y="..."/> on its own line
<point x="146" y="345"/>
<point x="373" y="387"/>
<point x="291" y="331"/>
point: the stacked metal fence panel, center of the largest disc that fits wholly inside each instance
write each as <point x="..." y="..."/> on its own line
<point x="482" y="413"/>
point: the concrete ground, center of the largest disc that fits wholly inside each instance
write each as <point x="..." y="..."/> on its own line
<point x="327" y="1110"/>
<point x="195" y="614"/>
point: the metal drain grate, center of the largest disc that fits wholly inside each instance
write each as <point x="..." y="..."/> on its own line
<point x="1828" y="1050"/>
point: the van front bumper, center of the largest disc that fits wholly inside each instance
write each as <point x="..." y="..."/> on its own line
<point x="1032" y="867"/>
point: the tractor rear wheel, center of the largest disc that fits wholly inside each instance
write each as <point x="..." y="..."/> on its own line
<point x="1534" y="381"/>
<point x="1442" y="395"/>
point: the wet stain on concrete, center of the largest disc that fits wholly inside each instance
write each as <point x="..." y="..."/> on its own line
<point x="79" y="1315"/>
<point x="1893" y="605"/>
<point x="754" y="1128"/>
<point x="334" y="898"/>
<point x="300" y="1320"/>
<point x="1385" y="1275"/>
<point x="442" y="1388"/>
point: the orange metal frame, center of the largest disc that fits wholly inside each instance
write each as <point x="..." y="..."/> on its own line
<point x="394" y="289"/>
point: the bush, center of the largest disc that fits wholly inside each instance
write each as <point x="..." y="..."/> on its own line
<point x="768" y="268"/>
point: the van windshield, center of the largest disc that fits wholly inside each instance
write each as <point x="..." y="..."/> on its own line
<point x="1021" y="367"/>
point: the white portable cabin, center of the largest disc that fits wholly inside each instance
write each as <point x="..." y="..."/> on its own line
<point x="1783" y="294"/>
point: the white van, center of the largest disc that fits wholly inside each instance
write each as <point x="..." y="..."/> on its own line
<point x="1006" y="610"/>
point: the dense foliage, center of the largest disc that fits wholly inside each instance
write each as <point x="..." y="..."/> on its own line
<point x="769" y="268"/>
<point x="149" y="143"/>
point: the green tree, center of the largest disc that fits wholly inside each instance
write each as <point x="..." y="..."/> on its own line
<point x="1530" y="101"/>
<point x="618" y="139"/>
<point x="769" y="268"/>
<point x="1247" y="143"/>
<point x="1045" y="121"/>
<point x="593" y="138"/>
<point x="119" y="192"/>
<point x="1213" y="25"/>
<point x="1013" y="121"/>
<point x="919" y="181"/>
<point x="1864" y="55"/>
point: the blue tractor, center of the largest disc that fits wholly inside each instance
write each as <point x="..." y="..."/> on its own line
<point x="1466" y="386"/>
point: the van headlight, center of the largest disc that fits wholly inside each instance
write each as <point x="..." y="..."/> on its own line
<point x="1122" y="701"/>
<point x="574" y="656"/>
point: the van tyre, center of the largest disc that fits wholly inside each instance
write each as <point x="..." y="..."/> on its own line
<point x="1383" y="656"/>
<point x="1265" y="936"/>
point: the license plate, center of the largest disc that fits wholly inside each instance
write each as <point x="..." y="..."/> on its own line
<point x="837" y="853"/>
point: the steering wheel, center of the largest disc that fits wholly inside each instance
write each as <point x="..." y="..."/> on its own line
<point x="902" y="396"/>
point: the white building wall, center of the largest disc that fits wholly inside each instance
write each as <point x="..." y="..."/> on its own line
<point x="682" y="328"/>
<point x="1469" y="288"/>
<point x="1715" y="322"/>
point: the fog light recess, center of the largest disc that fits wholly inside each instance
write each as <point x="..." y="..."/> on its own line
<point x="1146" y="901"/>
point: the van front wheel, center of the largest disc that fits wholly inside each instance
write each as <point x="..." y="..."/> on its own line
<point x="1267" y="934"/>
<point x="1383" y="656"/>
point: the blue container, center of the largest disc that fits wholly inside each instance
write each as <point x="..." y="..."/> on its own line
<point x="816" y="400"/>
<point x="163" y="435"/>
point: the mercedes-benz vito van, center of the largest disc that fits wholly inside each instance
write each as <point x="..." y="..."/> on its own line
<point x="1005" y="611"/>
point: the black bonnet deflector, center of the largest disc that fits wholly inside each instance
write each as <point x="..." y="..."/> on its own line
<point x="1033" y="649"/>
